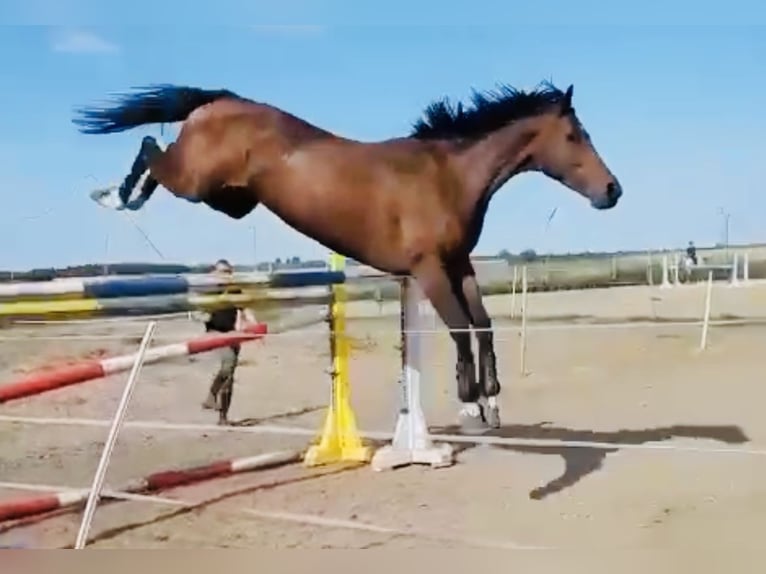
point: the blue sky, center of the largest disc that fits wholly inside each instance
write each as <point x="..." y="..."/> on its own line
<point x="673" y="97"/>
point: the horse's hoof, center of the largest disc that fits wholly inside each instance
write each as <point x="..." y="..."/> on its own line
<point x="108" y="197"/>
<point x="492" y="415"/>
<point x="472" y="425"/>
<point x="210" y="404"/>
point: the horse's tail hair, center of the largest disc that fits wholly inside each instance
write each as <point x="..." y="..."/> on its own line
<point x="148" y="105"/>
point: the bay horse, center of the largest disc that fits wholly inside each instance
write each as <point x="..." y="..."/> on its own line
<point x="411" y="205"/>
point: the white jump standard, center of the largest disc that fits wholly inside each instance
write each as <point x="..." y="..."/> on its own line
<point x="411" y="443"/>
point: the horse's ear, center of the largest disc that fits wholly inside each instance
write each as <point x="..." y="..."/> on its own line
<point x="566" y="102"/>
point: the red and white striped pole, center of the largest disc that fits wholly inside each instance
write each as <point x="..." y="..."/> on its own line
<point x="25" y="507"/>
<point x="89" y="370"/>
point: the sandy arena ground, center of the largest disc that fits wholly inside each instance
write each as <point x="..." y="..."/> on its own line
<point x="644" y="384"/>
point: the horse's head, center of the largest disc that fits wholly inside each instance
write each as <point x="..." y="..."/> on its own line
<point x="564" y="152"/>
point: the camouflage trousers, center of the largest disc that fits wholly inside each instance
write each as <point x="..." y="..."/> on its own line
<point x="223" y="383"/>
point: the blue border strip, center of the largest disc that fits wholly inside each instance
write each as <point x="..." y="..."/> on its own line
<point x="143" y="287"/>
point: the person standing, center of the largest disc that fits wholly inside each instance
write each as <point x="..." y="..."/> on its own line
<point x="224" y="320"/>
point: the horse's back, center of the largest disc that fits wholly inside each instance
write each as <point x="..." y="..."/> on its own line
<point x="230" y="141"/>
<point x="253" y="119"/>
<point x="224" y="110"/>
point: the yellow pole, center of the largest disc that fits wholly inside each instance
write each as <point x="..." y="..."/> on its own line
<point x="340" y="440"/>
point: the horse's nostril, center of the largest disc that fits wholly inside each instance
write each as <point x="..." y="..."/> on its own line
<point x="613" y="191"/>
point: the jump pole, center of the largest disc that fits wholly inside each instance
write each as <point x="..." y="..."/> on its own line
<point x="106" y="454"/>
<point x="340" y="440"/>
<point x="47" y="380"/>
<point x="411" y="442"/>
<point x="15" y="509"/>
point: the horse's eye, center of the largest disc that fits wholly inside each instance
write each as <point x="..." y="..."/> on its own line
<point x="571" y="137"/>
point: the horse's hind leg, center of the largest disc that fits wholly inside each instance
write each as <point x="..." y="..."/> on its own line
<point x="437" y="285"/>
<point x="169" y="169"/>
<point x="139" y="179"/>
<point x="154" y="166"/>
<point x="147" y="189"/>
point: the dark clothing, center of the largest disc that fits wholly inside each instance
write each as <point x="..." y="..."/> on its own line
<point x="223" y="319"/>
<point x="691" y="253"/>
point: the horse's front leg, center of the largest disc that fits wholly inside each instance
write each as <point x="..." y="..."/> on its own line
<point x="489" y="384"/>
<point x="439" y="287"/>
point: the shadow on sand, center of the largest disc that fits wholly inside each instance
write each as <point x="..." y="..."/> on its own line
<point x="581" y="461"/>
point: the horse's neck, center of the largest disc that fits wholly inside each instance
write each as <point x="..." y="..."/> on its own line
<point x="489" y="163"/>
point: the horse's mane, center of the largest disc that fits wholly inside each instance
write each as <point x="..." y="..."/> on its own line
<point x="489" y="111"/>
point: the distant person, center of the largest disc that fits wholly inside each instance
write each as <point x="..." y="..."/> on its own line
<point x="224" y="320"/>
<point x="691" y="252"/>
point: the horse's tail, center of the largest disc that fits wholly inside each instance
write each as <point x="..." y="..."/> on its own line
<point x="150" y="105"/>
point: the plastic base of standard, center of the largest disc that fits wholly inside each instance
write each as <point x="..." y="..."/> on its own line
<point x="436" y="456"/>
<point x="412" y="445"/>
<point x="319" y="456"/>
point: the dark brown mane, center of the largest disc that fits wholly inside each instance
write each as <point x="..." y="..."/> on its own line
<point x="489" y="111"/>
